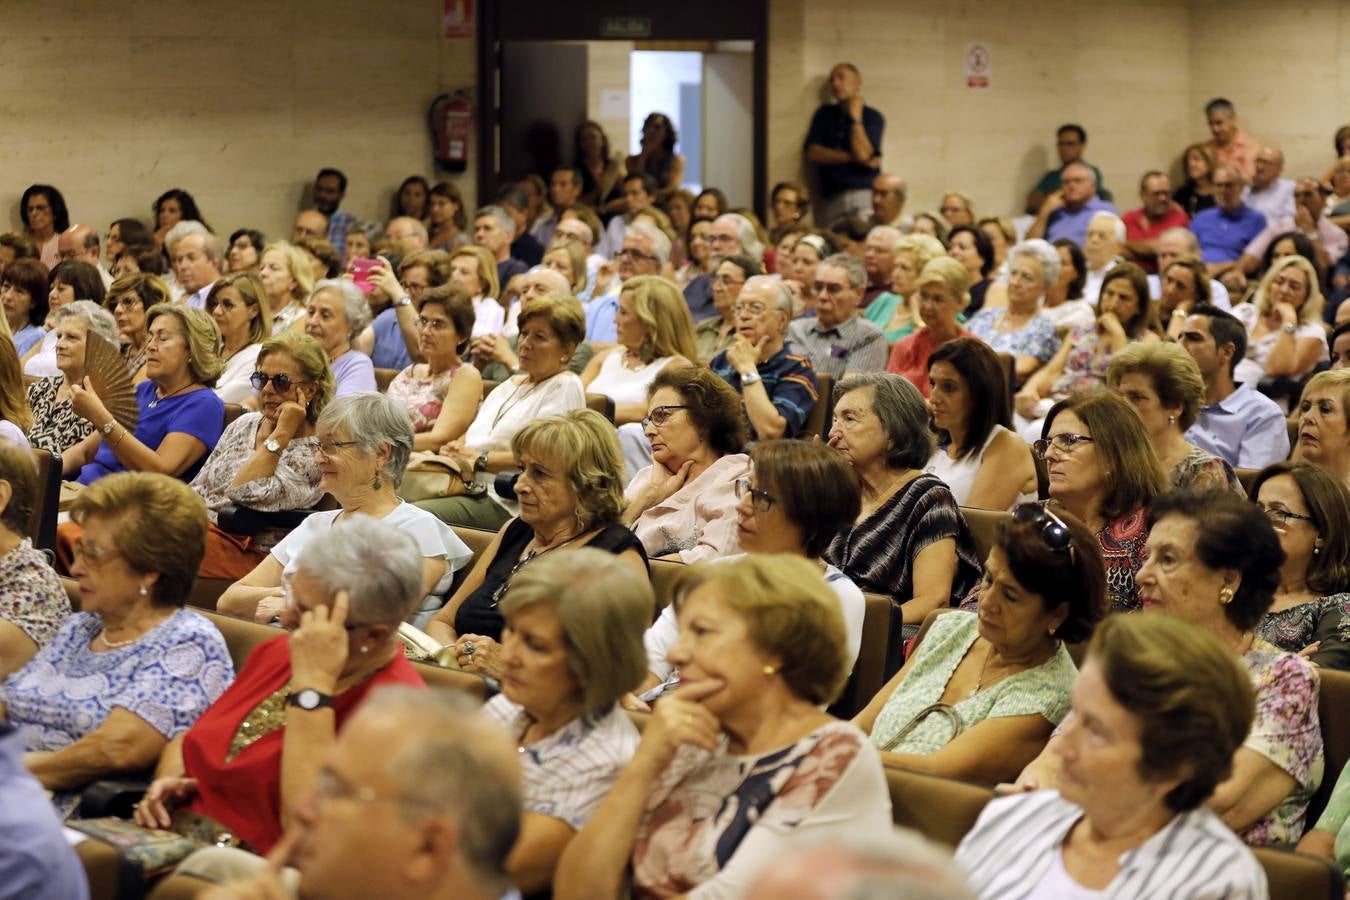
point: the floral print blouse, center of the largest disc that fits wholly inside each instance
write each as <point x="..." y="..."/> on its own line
<point x="1036" y="338"/>
<point x="56" y="426"/>
<point x="1201" y="470"/>
<point x="1325" y="620"/>
<point x="422" y="393"/>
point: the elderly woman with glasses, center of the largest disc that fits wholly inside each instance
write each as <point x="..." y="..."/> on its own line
<point x="570" y="495"/>
<point x="980" y="695"/>
<point x="133" y="669"/>
<point x="56" y="425"/>
<point x="910" y="541"/>
<point x="361" y="449"/>
<point x="237" y="776"/>
<point x="683" y="505"/>
<point x="265" y="460"/>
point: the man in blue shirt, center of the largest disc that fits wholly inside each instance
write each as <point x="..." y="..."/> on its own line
<point x="1241" y="425"/>
<point x="844" y="141"/>
<point x="1067" y="211"/>
<point x="1224" y="230"/>
<point x="330" y="186"/>
<point x="36" y="861"/>
<point x="645" y="248"/>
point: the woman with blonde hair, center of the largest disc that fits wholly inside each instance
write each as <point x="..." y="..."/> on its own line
<point x="1164" y="385"/>
<point x="896" y="310"/>
<point x="475" y="270"/>
<point x="238" y="303"/>
<point x="570" y="495"/>
<point x="942" y="290"/>
<point x="1324" y="423"/>
<point x="655" y="330"/>
<point x="265" y="459"/>
<point x="16" y="417"/>
<point x="957" y="209"/>
<point x="1285" y="334"/>
<point x="288" y="279"/>
<point x="568" y="258"/>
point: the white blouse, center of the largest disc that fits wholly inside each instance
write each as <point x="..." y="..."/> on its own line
<point x="233" y="385"/>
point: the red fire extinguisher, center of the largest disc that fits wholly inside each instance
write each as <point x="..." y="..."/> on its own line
<point x="451" y="121"/>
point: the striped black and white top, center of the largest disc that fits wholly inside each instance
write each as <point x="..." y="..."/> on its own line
<point x="1009" y="852"/>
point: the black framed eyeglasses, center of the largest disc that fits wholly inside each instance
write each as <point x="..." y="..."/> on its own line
<point x="1054" y="531"/>
<point x="1280" y="517"/>
<point x="660" y="415"/>
<point x="280" y="383"/>
<point x="762" y="501"/>
<point x="1064" y="443"/>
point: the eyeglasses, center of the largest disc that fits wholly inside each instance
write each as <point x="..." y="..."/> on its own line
<point x="827" y="287"/>
<point x="280" y="383"/>
<point x="629" y="253"/>
<point x="1054" y="531"/>
<point x="126" y="303"/>
<point x="754" y="308"/>
<point x="660" y="415"/>
<point x="433" y="324"/>
<point x="761" y="501"/>
<point x="1280" y="518"/>
<point x="328" y="448"/>
<point x="93" y="554"/>
<point x="727" y="280"/>
<point x="1064" y="443"/>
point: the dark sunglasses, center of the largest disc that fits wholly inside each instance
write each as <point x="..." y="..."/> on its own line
<point x="1054" y="532"/>
<point x="280" y="383"/>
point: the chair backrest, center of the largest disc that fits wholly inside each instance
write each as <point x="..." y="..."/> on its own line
<point x="984" y="524"/>
<point x="1246" y="477"/>
<point x="1333" y="701"/>
<point x="241" y="635"/>
<point x="46" y="500"/>
<point x="818" y="420"/>
<point x="385" y="377"/>
<point x="664" y="573"/>
<point x="941" y="809"/>
<point x="1008" y="363"/>
<point x="601" y="403"/>
<point x="869" y="671"/>
<point x="1299" y="875"/>
<point x="232" y="412"/>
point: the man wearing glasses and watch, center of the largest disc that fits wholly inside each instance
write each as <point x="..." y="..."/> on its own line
<point x="778" y="388"/>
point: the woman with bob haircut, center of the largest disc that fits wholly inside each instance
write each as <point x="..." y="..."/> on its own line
<point x="1213" y="562"/>
<point x="1124" y="315"/>
<point x="237" y="777"/>
<point x="571" y="648"/>
<point x="361" y="449"/>
<point x="1310" y="511"/>
<point x="475" y="270"/>
<point x="983" y="462"/>
<point x="940" y="294"/>
<point x="441" y="394"/>
<point x="180" y="417"/>
<point x="1164" y="385"/>
<point x="43" y="212"/>
<point x="23" y="290"/>
<point x="979" y="697"/>
<point x="654" y="331"/>
<point x="156" y="665"/>
<point x="570" y="494"/>
<point x="683" y="505"/>
<point x="1324" y="423"/>
<point x="795" y="499"/>
<point x="741" y="764"/>
<point x="910" y="541"/>
<point x="129" y="299"/>
<point x="265" y="459"/>
<point x="56" y="425"/>
<point x="1285" y="334"/>
<point x="896" y="309"/>
<point x="1103" y="470"/>
<point x="1160" y="707"/>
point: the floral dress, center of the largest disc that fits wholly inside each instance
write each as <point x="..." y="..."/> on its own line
<point x="1086" y="365"/>
<point x="422" y="393"/>
<point x="56" y="426"/>
<point x="1037" y="338"/>
<point x="1325" y="620"/>
<point x="1201" y="470"/>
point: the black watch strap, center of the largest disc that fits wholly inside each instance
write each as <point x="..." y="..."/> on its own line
<point x="309" y="699"/>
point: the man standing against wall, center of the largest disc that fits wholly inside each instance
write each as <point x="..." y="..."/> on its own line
<point x="1230" y="143"/>
<point x="1070" y="142"/>
<point x="844" y="141"/>
<point x="330" y="186"/>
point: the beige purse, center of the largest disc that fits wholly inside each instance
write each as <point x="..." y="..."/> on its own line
<point x="430" y="476"/>
<point x="942" y="709"/>
<point x="419" y="646"/>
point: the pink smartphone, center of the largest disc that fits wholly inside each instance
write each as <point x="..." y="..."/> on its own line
<point x="361" y="269"/>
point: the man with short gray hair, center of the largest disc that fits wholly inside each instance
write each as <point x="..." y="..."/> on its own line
<point x="879" y="259"/>
<point x="419" y="798"/>
<point x="730" y="234"/>
<point x="1065" y="213"/>
<point x="195" y="254"/>
<point x="888" y="202"/>
<point x="494" y="229"/>
<point x="779" y="388"/>
<point x="1102" y="248"/>
<point x="837" y="340"/>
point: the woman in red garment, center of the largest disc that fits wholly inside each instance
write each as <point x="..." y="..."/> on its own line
<point x="235" y="778"/>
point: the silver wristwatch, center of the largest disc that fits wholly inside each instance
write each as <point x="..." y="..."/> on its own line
<point x="750" y="378"/>
<point x="271" y="445"/>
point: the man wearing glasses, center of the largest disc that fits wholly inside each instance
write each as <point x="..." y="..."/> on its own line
<point x="729" y="235"/>
<point x="1309" y="217"/>
<point x="778" y="388"/>
<point x="838" y="340"/>
<point x="1225" y="230"/>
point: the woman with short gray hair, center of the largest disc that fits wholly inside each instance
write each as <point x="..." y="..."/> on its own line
<point x="910" y="541"/>
<point x="571" y="649"/>
<point x="56" y="425"/>
<point x="336" y="313"/>
<point x="363" y="446"/>
<point x="241" y="774"/>
<point x="1011" y="320"/>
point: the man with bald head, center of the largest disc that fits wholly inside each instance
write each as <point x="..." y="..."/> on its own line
<point x="1067" y="211"/>
<point x="1173" y="244"/>
<point x="80" y="242"/>
<point x="407" y="234"/>
<point x="1268" y="193"/>
<point x="1225" y="230"/>
<point x="309" y="223"/>
<point x="778" y="388"/>
<point x="1309" y="217"/>
<point x="888" y="202"/>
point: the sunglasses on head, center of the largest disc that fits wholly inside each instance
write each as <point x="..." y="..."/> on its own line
<point x="1053" y="530"/>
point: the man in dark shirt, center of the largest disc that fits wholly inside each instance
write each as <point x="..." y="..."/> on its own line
<point x="524" y="246"/>
<point x="494" y="229"/>
<point x="844" y="141"/>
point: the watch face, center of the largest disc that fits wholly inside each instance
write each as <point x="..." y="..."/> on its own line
<point x="308" y="699"/>
<point x="272" y="445"/>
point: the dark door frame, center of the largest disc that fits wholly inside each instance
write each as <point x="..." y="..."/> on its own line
<point x="596" y="20"/>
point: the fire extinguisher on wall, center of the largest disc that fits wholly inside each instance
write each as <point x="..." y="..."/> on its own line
<point x="451" y="121"/>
